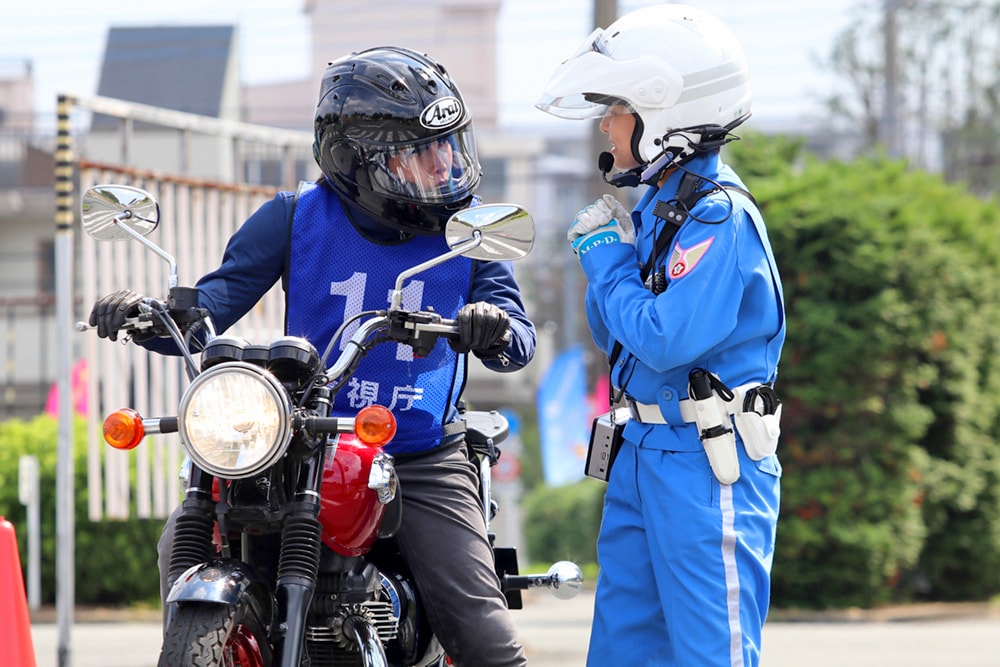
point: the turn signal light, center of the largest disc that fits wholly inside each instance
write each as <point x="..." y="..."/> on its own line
<point x="123" y="429"/>
<point x="374" y="425"/>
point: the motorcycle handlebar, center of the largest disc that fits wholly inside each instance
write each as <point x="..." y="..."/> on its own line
<point x="525" y="581"/>
<point x="329" y="424"/>
<point x="564" y="579"/>
<point x="426" y="334"/>
<point x="154" y="425"/>
<point x="443" y="327"/>
<point x="167" y="424"/>
<point x="424" y="323"/>
<point x="131" y="325"/>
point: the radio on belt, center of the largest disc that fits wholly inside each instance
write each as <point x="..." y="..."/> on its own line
<point x="605" y="441"/>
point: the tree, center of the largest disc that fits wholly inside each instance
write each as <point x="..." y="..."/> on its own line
<point x="921" y="81"/>
<point x="890" y="380"/>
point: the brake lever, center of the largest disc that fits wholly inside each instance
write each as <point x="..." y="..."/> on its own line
<point x="130" y="326"/>
<point x="419" y="329"/>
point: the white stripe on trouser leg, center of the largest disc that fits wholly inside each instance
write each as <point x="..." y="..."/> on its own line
<point x="732" y="576"/>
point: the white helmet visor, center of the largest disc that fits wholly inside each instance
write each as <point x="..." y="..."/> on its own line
<point x="585" y="84"/>
<point x="564" y="99"/>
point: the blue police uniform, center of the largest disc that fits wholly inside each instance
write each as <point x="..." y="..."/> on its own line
<point x="678" y="549"/>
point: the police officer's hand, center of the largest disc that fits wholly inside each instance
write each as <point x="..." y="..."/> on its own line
<point x="483" y="329"/>
<point x="109" y="312"/>
<point x="604" y="222"/>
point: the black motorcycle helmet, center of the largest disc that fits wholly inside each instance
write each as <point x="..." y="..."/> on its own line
<point x="394" y="137"/>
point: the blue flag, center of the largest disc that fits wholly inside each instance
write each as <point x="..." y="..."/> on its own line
<point x="564" y="418"/>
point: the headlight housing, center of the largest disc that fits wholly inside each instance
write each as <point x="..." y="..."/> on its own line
<point x="234" y="420"/>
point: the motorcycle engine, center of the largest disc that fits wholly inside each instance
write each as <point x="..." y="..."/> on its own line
<point x="389" y="609"/>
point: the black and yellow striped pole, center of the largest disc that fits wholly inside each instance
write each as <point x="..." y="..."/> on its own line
<point x="65" y="525"/>
<point x="64" y="165"/>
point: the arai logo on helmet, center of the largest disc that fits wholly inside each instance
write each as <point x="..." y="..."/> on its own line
<point x="442" y="113"/>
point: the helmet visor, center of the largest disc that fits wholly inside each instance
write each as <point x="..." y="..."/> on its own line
<point x="440" y="170"/>
<point x="593" y="78"/>
<point x="572" y="104"/>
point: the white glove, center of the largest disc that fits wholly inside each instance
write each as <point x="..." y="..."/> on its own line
<point x="603" y="222"/>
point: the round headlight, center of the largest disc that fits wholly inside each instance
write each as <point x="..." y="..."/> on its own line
<point x="234" y="420"/>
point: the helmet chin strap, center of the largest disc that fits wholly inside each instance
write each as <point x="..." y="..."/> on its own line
<point x="644" y="174"/>
<point x="652" y="172"/>
<point x="712" y="137"/>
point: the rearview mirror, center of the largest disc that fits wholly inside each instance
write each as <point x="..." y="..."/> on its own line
<point x="507" y="231"/>
<point x="106" y="209"/>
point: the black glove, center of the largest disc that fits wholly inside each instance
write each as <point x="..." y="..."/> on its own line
<point x="109" y="312"/>
<point x="483" y="329"/>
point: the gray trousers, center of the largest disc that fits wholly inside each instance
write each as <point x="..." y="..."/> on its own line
<point x="443" y="539"/>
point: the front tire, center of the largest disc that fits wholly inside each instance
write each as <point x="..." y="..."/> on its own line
<point x="215" y="635"/>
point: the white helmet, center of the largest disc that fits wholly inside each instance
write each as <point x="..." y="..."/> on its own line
<point x="677" y="67"/>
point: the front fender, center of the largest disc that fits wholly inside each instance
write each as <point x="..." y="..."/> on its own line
<point x="224" y="581"/>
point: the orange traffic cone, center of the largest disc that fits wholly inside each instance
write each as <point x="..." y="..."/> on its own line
<point x="16" y="647"/>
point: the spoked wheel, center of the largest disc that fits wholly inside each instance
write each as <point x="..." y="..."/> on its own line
<point x="210" y="635"/>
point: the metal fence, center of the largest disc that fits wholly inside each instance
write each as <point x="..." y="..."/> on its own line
<point x="197" y="217"/>
<point x="22" y="317"/>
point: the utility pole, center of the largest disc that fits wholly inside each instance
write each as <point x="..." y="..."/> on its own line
<point x="890" y="129"/>
<point x="605" y="13"/>
<point x="574" y="330"/>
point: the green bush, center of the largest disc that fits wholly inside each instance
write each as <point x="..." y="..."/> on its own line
<point x="115" y="561"/>
<point x="561" y="523"/>
<point x="889" y="379"/>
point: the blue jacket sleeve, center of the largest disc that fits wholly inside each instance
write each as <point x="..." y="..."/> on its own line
<point x="598" y="330"/>
<point x="696" y="312"/>
<point x="253" y="261"/>
<point x="494" y="283"/>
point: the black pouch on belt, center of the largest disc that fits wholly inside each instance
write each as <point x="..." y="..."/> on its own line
<point x="605" y="441"/>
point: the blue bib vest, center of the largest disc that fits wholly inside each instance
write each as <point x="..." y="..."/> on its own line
<point x="334" y="273"/>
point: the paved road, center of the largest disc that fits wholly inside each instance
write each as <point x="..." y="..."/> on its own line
<point x="555" y="635"/>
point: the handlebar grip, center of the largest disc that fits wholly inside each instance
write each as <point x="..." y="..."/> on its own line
<point x="329" y="424"/>
<point x="523" y="582"/>
<point x="168" y="424"/>
<point x="154" y="425"/>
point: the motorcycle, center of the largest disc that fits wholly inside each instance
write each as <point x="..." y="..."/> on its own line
<point x="283" y="552"/>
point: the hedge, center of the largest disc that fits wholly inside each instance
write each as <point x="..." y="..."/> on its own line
<point x="115" y="561"/>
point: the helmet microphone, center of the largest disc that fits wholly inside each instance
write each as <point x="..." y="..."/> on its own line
<point x="605" y="161"/>
<point x="626" y="179"/>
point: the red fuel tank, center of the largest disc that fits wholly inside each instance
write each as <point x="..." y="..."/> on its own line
<point x="350" y="512"/>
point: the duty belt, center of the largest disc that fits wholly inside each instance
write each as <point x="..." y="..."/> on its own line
<point x="649" y="413"/>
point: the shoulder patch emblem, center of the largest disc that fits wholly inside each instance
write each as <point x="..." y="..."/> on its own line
<point x="683" y="261"/>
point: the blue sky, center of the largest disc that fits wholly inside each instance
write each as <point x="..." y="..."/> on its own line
<point x="783" y="40"/>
